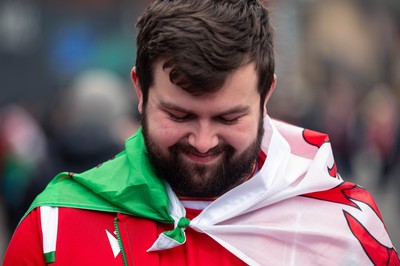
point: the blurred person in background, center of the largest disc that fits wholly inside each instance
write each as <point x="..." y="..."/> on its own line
<point x="379" y="130"/>
<point x="87" y="126"/>
<point x="209" y="176"/>
<point x="23" y="152"/>
<point x="92" y="119"/>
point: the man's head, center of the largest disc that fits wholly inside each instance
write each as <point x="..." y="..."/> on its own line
<point x="204" y="73"/>
<point x="202" y="41"/>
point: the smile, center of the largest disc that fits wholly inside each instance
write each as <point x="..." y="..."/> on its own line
<point x="202" y="158"/>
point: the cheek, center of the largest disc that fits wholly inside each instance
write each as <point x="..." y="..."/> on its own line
<point x="241" y="137"/>
<point x="164" y="132"/>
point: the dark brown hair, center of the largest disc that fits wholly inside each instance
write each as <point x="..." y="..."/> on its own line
<point x="203" y="41"/>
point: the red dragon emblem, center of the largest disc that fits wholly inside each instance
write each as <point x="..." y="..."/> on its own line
<point x="344" y="194"/>
<point x="315" y="138"/>
<point x="377" y="253"/>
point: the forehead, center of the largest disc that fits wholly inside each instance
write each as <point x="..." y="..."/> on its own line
<point x="240" y="86"/>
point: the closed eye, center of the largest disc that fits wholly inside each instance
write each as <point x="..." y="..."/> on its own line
<point x="179" y="116"/>
<point x="233" y="115"/>
<point x="229" y="120"/>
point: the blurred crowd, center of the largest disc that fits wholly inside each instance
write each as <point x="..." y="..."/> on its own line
<point x="67" y="103"/>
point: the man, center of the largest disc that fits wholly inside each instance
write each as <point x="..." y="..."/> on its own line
<point x="209" y="178"/>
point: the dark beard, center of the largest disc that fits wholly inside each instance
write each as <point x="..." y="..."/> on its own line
<point x="199" y="180"/>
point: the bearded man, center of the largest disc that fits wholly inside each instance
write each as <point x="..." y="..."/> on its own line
<point x="210" y="178"/>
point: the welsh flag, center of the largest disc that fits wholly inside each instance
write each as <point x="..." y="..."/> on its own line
<point x="296" y="210"/>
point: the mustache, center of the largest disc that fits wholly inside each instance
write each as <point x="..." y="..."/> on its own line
<point x="184" y="147"/>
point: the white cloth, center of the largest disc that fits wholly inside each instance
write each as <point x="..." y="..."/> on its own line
<point x="265" y="221"/>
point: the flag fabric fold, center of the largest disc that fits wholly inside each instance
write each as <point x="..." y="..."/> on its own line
<point x="294" y="166"/>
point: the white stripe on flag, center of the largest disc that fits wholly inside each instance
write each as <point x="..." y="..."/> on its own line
<point x="49" y="223"/>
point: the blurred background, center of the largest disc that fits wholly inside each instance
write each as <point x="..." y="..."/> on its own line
<point x="67" y="102"/>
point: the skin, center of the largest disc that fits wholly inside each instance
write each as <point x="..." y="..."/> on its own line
<point x="229" y="116"/>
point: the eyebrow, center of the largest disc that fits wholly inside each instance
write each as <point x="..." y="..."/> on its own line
<point x="233" y="110"/>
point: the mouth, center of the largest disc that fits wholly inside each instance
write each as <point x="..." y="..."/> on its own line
<point x="202" y="158"/>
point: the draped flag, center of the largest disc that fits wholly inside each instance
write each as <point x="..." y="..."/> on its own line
<point x="295" y="210"/>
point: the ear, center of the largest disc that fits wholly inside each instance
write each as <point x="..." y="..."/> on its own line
<point x="138" y="89"/>
<point x="271" y="90"/>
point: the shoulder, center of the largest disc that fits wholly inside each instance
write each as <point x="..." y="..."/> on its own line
<point x="362" y="219"/>
<point x="347" y="193"/>
<point x="27" y="234"/>
<point x="56" y="232"/>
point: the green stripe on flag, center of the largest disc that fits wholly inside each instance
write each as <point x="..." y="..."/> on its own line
<point x="50" y="257"/>
<point x="177" y="233"/>
<point x="125" y="184"/>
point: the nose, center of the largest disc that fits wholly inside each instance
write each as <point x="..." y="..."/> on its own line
<point x="203" y="138"/>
